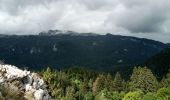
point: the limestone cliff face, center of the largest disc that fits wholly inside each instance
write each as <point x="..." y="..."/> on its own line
<point x="31" y="85"/>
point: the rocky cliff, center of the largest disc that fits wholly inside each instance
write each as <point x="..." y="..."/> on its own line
<point x="21" y="83"/>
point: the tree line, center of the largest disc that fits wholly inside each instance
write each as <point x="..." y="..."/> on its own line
<point x="82" y="84"/>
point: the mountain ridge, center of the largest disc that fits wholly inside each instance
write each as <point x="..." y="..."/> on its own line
<point x="100" y="52"/>
<point x="160" y="63"/>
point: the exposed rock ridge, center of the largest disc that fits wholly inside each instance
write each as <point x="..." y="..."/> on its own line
<point x="30" y="84"/>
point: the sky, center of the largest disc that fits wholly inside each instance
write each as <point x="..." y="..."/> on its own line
<point x="139" y="18"/>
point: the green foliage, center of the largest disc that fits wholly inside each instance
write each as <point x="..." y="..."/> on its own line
<point x="143" y="79"/>
<point x="165" y="82"/>
<point x="49" y="75"/>
<point x="70" y="93"/>
<point x="136" y="95"/>
<point x="108" y="95"/>
<point x="150" y="96"/>
<point x="109" y="83"/>
<point x="99" y="84"/>
<point x="163" y="94"/>
<point x="81" y="84"/>
<point x="88" y="96"/>
<point x="101" y="95"/>
<point x="118" y="82"/>
<point x="56" y="81"/>
<point x="69" y="84"/>
<point x="114" y="95"/>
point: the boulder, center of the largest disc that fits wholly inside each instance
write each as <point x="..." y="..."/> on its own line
<point x="30" y="84"/>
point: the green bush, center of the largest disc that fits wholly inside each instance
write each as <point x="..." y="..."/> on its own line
<point x="150" y="96"/>
<point x="136" y="95"/>
<point x="88" y="96"/>
<point x="163" y="94"/>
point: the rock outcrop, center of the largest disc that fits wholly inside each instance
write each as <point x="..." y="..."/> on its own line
<point x="31" y="85"/>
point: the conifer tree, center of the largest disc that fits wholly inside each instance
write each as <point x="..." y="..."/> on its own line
<point x="99" y="84"/>
<point x="109" y="82"/>
<point x="165" y="82"/>
<point x="70" y="93"/>
<point x="48" y="75"/>
<point x="143" y="79"/>
<point x="117" y="84"/>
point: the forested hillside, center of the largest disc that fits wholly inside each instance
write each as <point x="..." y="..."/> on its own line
<point x="109" y="53"/>
<point x="92" y="67"/>
<point x="160" y="63"/>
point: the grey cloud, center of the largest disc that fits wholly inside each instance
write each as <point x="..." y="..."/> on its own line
<point x="29" y="17"/>
<point x="98" y="4"/>
<point x="126" y="17"/>
<point x="14" y="6"/>
<point x="139" y="20"/>
<point x="141" y="16"/>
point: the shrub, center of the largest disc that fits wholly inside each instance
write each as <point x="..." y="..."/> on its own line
<point x="150" y="96"/>
<point x="136" y="95"/>
<point x="163" y="94"/>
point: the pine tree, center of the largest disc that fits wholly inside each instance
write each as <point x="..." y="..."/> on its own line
<point x="48" y="75"/>
<point x="109" y="82"/>
<point x="165" y="82"/>
<point x="118" y="82"/>
<point x="70" y="93"/>
<point x="99" y="84"/>
<point x="143" y="79"/>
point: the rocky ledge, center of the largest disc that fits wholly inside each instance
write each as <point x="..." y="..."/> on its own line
<point x="31" y="85"/>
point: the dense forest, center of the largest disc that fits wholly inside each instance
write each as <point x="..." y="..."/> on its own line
<point x="82" y="84"/>
<point x="106" y="66"/>
<point x="160" y="63"/>
<point x="61" y="51"/>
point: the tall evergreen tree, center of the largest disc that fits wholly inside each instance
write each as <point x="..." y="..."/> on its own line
<point x="143" y="79"/>
<point x="99" y="84"/>
<point x="70" y="93"/>
<point x="118" y="82"/>
<point x="165" y="82"/>
<point x="109" y="82"/>
<point x="49" y="75"/>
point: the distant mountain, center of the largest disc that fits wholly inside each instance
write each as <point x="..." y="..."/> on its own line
<point x="65" y="32"/>
<point x="160" y="63"/>
<point x="62" y="50"/>
<point x="168" y="44"/>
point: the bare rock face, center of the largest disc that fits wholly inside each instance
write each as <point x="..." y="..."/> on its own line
<point x="30" y="84"/>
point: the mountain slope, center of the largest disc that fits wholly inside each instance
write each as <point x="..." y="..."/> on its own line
<point x="102" y="52"/>
<point x="160" y="63"/>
